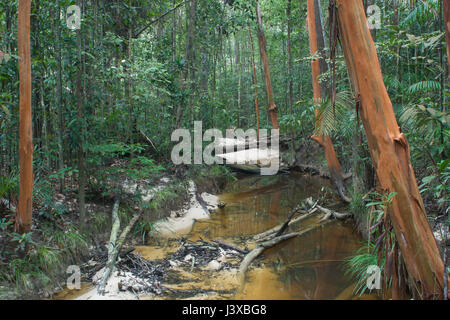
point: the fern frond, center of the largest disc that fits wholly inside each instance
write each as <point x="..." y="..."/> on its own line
<point x="330" y="118"/>
<point x="424" y="86"/>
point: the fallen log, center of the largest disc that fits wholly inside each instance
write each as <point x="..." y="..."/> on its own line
<point x="111" y="245"/>
<point x="115" y="253"/>
<point x="271" y="232"/>
<point x="328" y="213"/>
<point x="252" y="255"/>
<point x="248" y="259"/>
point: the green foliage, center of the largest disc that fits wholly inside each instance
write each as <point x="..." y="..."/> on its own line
<point x="143" y="228"/>
<point x="142" y="167"/>
<point x="4" y="224"/>
<point x="358" y="205"/>
<point x="113" y="150"/>
<point x="23" y="240"/>
<point x="358" y="265"/>
<point x="424" y="86"/>
<point x="438" y="185"/>
<point x="330" y="117"/>
<point x="167" y="195"/>
<point x="380" y="203"/>
<point x="9" y="185"/>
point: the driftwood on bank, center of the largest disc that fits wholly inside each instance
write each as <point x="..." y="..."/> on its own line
<point x="115" y="244"/>
<point x="111" y="245"/>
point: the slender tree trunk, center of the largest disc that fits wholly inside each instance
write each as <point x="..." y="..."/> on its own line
<point x="238" y="67"/>
<point x="265" y="60"/>
<point x="60" y="128"/>
<point x="82" y="177"/>
<point x="45" y="124"/>
<point x="191" y="10"/>
<point x="255" y="82"/>
<point x="390" y="152"/>
<point x="317" y="44"/>
<point x="290" y="82"/>
<point x="446" y="9"/>
<point x="129" y="88"/>
<point x="24" y="213"/>
<point x="174" y="32"/>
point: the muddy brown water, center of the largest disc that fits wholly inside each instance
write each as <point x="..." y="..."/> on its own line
<point x="308" y="267"/>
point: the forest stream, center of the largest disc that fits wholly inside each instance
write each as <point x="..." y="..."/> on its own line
<point x="311" y="266"/>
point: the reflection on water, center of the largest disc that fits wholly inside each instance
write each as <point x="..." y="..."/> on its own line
<point x="306" y="267"/>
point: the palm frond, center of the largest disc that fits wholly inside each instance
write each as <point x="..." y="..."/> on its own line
<point x="423" y="10"/>
<point x="424" y="86"/>
<point x="330" y="118"/>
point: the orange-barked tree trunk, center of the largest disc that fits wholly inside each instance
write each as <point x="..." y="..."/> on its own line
<point x="265" y="60"/>
<point x="317" y="44"/>
<point x="389" y="150"/>
<point x="24" y="212"/>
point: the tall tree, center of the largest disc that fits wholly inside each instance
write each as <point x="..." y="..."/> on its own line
<point x="446" y="9"/>
<point x="82" y="175"/>
<point x="389" y="151"/>
<point x="290" y="82"/>
<point x="265" y="61"/>
<point x="255" y="82"/>
<point x="59" y="99"/>
<point x="24" y="213"/>
<point x="191" y="12"/>
<point x="321" y="90"/>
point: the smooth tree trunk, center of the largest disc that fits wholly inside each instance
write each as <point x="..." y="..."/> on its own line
<point x="262" y="46"/>
<point x="239" y="71"/>
<point x="174" y="33"/>
<point x="255" y="82"/>
<point x="82" y="175"/>
<point x="389" y="151"/>
<point x="446" y="9"/>
<point x="319" y="66"/>
<point x="290" y="82"/>
<point x="191" y="12"/>
<point x="24" y="213"/>
<point x="60" y="107"/>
